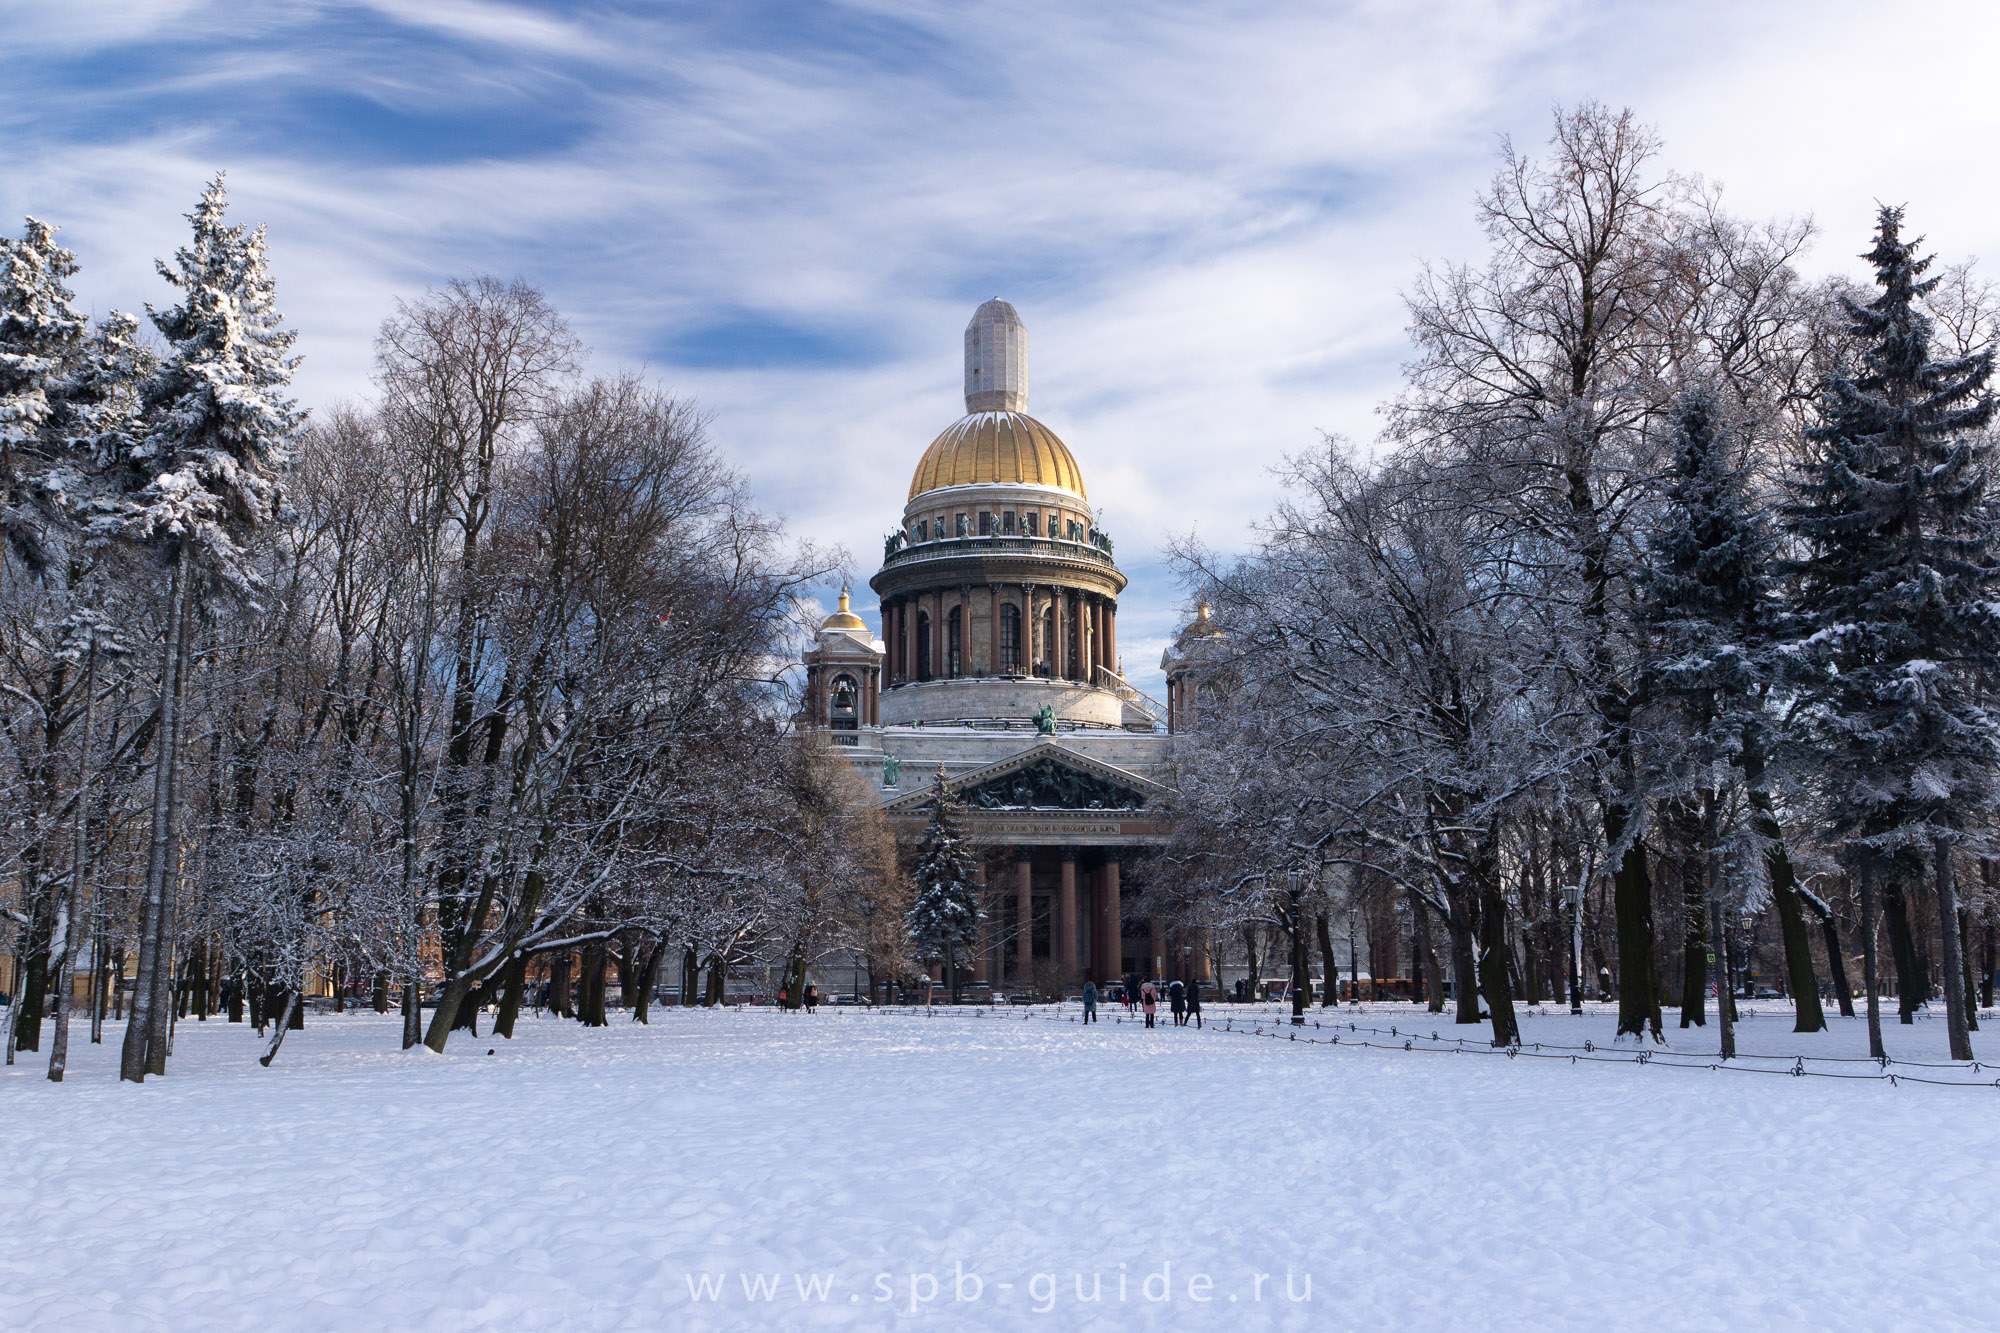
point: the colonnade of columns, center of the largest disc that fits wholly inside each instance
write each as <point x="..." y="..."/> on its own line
<point x="1069" y="632"/>
<point x="1077" y="923"/>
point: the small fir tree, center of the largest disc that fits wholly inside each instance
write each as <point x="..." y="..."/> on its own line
<point x="943" y="920"/>
<point x="1897" y="630"/>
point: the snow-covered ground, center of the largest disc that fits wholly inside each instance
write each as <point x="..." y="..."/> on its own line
<point x="855" y="1169"/>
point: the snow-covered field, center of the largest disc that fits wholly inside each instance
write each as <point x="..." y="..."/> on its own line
<point x="853" y="1169"/>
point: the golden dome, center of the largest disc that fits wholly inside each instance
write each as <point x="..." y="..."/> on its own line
<point x="999" y="447"/>
<point x="844" y="618"/>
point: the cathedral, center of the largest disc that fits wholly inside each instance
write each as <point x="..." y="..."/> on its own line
<point x="997" y="671"/>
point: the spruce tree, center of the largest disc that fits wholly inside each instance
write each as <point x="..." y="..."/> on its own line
<point x="1897" y="630"/>
<point x="944" y="915"/>
<point x="1709" y="603"/>
<point x="40" y="331"/>
<point x="200" y="480"/>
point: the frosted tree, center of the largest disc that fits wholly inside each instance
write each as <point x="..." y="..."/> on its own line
<point x="1898" y="632"/>
<point x="40" y="331"/>
<point x="199" y="481"/>
<point x="944" y="913"/>
<point x="1708" y="609"/>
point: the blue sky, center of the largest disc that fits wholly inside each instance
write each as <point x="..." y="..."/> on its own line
<point x="1205" y="213"/>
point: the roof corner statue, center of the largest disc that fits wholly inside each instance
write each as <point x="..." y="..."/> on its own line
<point x="997" y="666"/>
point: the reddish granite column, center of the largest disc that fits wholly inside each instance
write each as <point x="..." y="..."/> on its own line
<point x="940" y="669"/>
<point x="1156" y="947"/>
<point x="985" y="937"/>
<point x="1024" y="916"/>
<point x="1056" y="649"/>
<point x="1066" y="924"/>
<point x="964" y="614"/>
<point x="993" y="667"/>
<point x="1111" y="951"/>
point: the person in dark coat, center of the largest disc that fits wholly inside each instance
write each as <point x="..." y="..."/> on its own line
<point x="1131" y="991"/>
<point x="812" y="997"/>
<point x="1177" y="1001"/>
<point x="1090" y="1002"/>
<point x="1194" y="1003"/>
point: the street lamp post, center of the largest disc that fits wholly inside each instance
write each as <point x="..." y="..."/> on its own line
<point x="1353" y="962"/>
<point x="1295" y="883"/>
<point x="1573" y="895"/>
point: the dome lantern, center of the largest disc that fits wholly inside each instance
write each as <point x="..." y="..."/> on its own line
<point x="996" y="359"/>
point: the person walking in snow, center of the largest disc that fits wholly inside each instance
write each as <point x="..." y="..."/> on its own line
<point x="1149" y="1000"/>
<point x="1193" y="1003"/>
<point x="1177" y="1001"/>
<point x="1090" y="1002"/>
<point x="1131" y="991"/>
<point x="812" y="997"/>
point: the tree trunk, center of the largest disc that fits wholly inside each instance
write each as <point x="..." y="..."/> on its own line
<point x="379" y="993"/>
<point x="1694" y="950"/>
<point x="136" y="1059"/>
<point x="590" y="987"/>
<point x="413" y="1005"/>
<point x="1493" y="965"/>
<point x="1965" y="958"/>
<point x="1420" y="926"/>
<point x="1843" y="990"/>
<point x="717" y="990"/>
<point x="1869" y="977"/>
<point x="1331" y="964"/>
<point x="1638" y="990"/>
<point x="62" y="948"/>
<point x="559" y="999"/>
<point x="1464" y="970"/>
<point x="649" y="977"/>
<point x="282" y="1026"/>
<point x="1954" y="967"/>
<point x="1911" y="985"/>
<point x="1725" y="1016"/>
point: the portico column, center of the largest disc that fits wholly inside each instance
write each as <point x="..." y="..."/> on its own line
<point x="993" y="662"/>
<point x="1111" y="951"/>
<point x="985" y="925"/>
<point x="1027" y="629"/>
<point x="1024" y="915"/>
<point x="1111" y="635"/>
<point x="1156" y="946"/>
<point x="1066" y="953"/>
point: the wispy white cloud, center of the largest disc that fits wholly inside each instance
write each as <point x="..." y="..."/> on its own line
<point x="1205" y="213"/>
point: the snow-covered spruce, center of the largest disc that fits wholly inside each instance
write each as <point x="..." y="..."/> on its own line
<point x="1897" y="637"/>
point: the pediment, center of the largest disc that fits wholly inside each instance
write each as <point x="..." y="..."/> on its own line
<point x="1047" y="776"/>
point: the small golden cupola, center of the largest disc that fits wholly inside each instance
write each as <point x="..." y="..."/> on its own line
<point x="844" y="618"/>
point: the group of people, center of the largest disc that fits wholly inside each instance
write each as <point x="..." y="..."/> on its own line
<point x="1184" y="1001"/>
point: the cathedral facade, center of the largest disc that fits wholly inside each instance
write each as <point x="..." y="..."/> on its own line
<point x="997" y="671"/>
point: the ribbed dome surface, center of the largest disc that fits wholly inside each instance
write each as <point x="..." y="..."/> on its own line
<point x="997" y="447"/>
